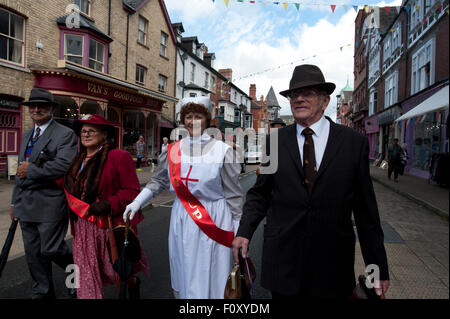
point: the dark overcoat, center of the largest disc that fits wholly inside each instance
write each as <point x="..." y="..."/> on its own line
<point x="309" y="241"/>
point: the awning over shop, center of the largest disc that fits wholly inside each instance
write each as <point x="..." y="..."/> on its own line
<point x="438" y="101"/>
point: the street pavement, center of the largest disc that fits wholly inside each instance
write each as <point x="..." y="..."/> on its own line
<point x="414" y="217"/>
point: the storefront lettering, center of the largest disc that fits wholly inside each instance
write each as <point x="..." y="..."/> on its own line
<point x="128" y="97"/>
<point x="105" y="91"/>
<point x="95" y="88"/>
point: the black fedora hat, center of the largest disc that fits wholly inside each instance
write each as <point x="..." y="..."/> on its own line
<point x="40" y="96"/>
<point x="307" y="75"/>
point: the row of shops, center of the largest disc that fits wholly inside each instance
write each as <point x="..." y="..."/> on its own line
<point x="420" y="122"/>
<point x="134" y="110"/>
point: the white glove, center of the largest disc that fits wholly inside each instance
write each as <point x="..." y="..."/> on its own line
<point x="144" y="196"/>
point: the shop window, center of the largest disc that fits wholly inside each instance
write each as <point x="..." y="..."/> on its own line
<point x="112" y="115"/>
<point x="133" y="127"/>
<point x="150" y="136"/>
<point x="90" y="107"/>
<point x="427" y="140"/>
<point x="12" y="32"/>
<point x="67" y="110"/>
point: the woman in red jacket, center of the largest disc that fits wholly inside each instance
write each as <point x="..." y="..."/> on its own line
<point x="104" y="178"/>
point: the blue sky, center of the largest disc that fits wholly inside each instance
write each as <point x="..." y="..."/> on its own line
<point x="263" y="43"/>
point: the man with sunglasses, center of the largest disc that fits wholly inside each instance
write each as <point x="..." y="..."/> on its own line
<point x="40" y="206"/>
<point x="322" y="178"/>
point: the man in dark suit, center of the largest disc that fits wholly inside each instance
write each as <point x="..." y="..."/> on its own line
<point x="40" y="206"/>
<point x="322" y="177"/>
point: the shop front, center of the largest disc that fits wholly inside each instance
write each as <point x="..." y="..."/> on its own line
<point x="373" y="135"/>
<point x="387" y="129"/>
<point x="134" y="110"/>
<point x="10" y="128"/>
<point x="425" y="130"/>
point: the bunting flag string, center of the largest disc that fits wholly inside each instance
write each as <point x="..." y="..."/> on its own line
<point x="287" y="64"/>
<point x="366" y="8"/>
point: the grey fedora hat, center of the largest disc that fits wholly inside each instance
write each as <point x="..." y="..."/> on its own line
<point x="308" y="75"/>
<point x="40" y="96"/>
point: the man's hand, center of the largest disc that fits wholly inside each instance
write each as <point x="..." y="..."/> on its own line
<point x="22" y="170"/>
<point x="11" y="213"/>
<point x="239" y="242"/>
<point x="383" y="287"/>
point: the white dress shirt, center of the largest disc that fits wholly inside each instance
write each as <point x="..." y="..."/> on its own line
<point x="320" y="138"/>
<point x="42" y="127"/>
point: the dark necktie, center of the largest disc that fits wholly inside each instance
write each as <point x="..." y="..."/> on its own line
<point x="309" y="159"/>
<point x="36" y="135"/>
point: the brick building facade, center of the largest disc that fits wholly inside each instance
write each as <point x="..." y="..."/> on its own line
<point x="113" y="62"/>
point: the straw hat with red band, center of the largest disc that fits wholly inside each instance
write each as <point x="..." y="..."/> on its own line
<point x="94" y="119"/>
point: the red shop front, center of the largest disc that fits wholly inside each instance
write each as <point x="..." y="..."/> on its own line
<point x="134" y="110"/>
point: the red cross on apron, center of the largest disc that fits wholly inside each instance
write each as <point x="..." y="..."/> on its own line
<point x="187" y="179"/>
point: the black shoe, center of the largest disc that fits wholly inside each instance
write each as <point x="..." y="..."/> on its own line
<point x="72" y="292"/>
<point x="134" y="293"/>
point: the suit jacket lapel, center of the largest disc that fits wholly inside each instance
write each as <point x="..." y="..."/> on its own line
<point x="293" y="149"/>
<point x="23" y="147"/>
<point x="333" y="145"/>
<point x="42" y="142"/>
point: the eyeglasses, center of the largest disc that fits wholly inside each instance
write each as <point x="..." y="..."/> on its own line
<point x="306" y="93"/>
<point x="88" y="132"/>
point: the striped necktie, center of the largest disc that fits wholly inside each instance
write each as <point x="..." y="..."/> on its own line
<point x="36" y="135"/>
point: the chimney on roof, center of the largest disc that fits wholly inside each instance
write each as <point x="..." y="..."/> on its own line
<point x="227" y="73"/>
<point x="252" y="91"/>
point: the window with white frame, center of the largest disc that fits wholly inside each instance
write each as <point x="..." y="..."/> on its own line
<point x="12" y="30"/>
<point x="206" y="80"/>
<point x="141" y="73"/>
<point x="422" y="67"/>
<point x="163" y="44"/>
<point x="84" y="5"/>
<point x="142" y="30"/>
<point x="390" y="88"/>
<point x="213" y="84"/>
<point x="162" y="83"/>
<point x="73" y="48"/>
<point x="192" y="72"/>
<point x="96" y="55"/>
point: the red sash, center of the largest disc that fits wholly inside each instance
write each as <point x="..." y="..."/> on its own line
<point x="192" y="205"/>
<point x="82" y="210"/>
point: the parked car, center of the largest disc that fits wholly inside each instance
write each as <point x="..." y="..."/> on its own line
<point x="253" y="155"/>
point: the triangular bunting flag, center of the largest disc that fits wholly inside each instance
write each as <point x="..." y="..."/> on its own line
<point x="407" y="9"/>
<point x="355" y="8"/>
<point x="333" y="7"/>
<point x="226" y="2"/>
<point x="285" y="5"/>
<point x="277" y="3"/>
<point x="387" y="9"/>
<point x="297" y="5"/>
<point x="240" y="0"/>
<point x="366" y="8"/>
<point x="341" y="48"/>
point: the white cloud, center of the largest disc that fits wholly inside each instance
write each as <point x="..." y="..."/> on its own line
<point x="254" y="38"/>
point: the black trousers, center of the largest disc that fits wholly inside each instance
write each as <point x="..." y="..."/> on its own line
<point x="44" y="243"/>
<point x="394" y="166"/>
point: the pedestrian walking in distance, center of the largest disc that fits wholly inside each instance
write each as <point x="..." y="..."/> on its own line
<point x="395" y="154"/>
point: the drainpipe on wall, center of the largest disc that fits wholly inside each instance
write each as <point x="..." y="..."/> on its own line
<point x="130" y="11"/>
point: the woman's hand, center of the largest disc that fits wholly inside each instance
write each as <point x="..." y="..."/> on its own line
<point x="131" y="209"/>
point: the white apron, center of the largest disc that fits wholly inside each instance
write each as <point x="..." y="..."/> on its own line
<point x="199" y="266"/>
